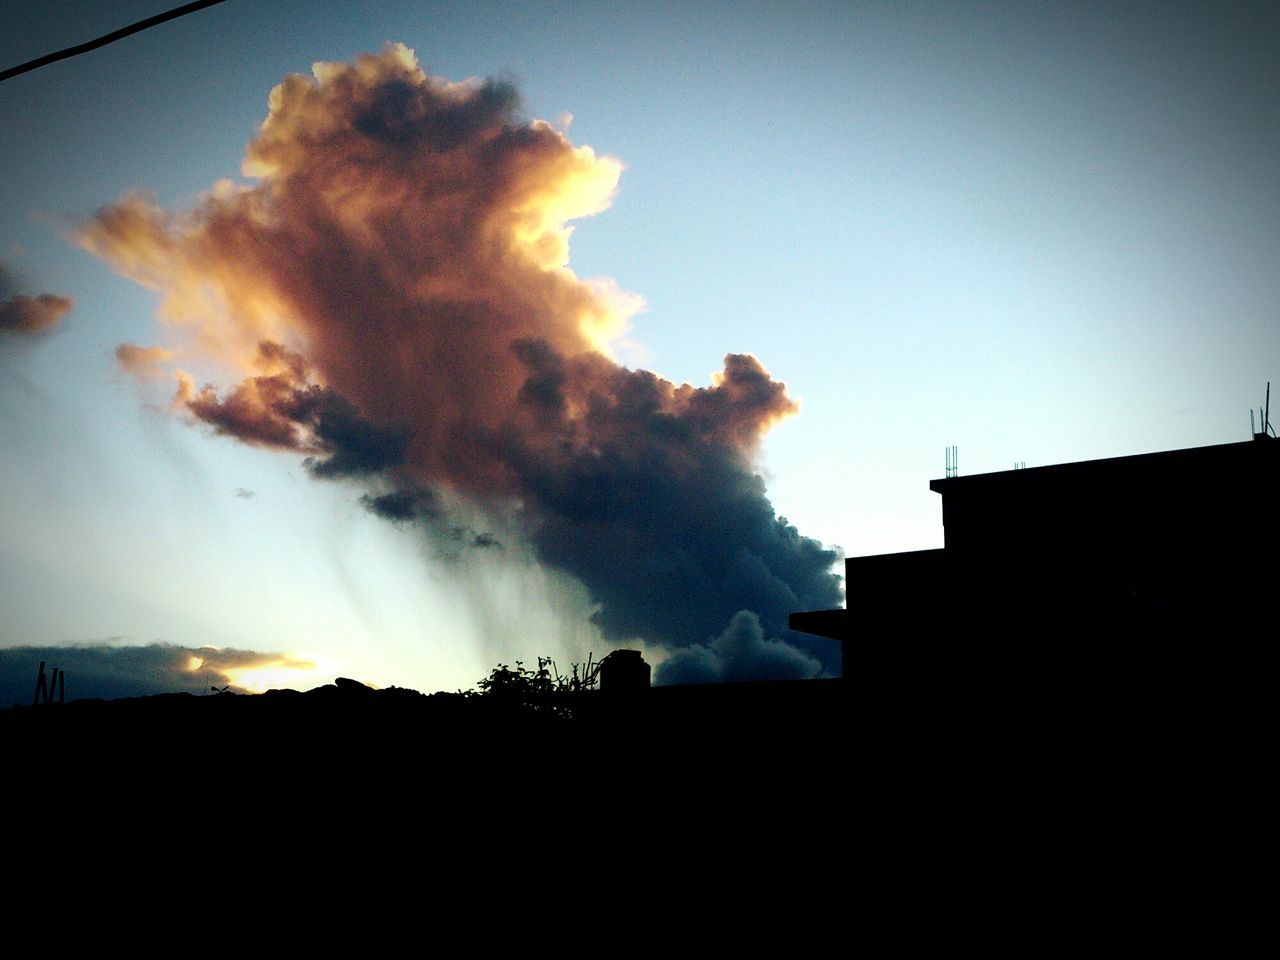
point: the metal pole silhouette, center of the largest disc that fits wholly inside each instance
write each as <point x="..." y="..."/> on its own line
<point x="46" y="687"/>
<point x="42" y="692"/>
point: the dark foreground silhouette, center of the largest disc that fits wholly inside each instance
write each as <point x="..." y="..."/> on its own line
<point x="988" y="716"/>
<point x="920" y="795"/>
<point x="1086" y="624"/>
<point x="1025" y="744"/>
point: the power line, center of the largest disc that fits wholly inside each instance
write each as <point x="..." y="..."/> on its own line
<point x="107" y="38"/>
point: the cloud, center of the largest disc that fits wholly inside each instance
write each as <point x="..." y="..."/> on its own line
<point x="391" y="299"/>
<point x="741" y="652"/>
<point x="142" y="362"/>
<point x="281" y="410"/>
<point x="109" y="671"/>
<point x="25" y="315"/>
<point x="400" y="506"/>
<point x="420" y="506"/>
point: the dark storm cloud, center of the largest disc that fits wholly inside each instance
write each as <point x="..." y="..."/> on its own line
<point x="742" y="652"/>
<point x="421" y="507"/>
<point x="283" y="410"/>
<point x="398" y="114"/>
<point x="401" y="506"/>
<point x="396" y="280"/>
<point x="356" y="445"/>
<point x="653" y="505"/>
<point x="108" y="671"/>
<point x="25" y="315"/>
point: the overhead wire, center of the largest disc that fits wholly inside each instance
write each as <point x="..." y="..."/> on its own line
<point x="111" y="37"/>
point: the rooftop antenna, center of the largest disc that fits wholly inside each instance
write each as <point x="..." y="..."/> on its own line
<point x="1266" y="429"/>
<point x="953" y="461"/>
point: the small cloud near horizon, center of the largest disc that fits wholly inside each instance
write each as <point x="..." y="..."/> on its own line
<point x="108" y="671"/>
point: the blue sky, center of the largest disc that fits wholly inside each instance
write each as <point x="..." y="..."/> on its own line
<point x="1040" y="233"/>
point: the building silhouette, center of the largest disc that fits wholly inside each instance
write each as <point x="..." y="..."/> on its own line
<point x="1097" y="571"/>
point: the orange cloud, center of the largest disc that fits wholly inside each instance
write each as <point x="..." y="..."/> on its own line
<point x="143" y="362"/>
<point x="394" y="296"/>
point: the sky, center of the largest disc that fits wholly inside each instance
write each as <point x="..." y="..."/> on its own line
<point x="1041" y="233"/>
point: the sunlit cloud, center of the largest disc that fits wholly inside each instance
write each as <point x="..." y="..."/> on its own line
<point x="281" y="672"/>
<point x="391" y="299"/>
<point x="110" y="670"/>
<point x="142" y="362"/>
